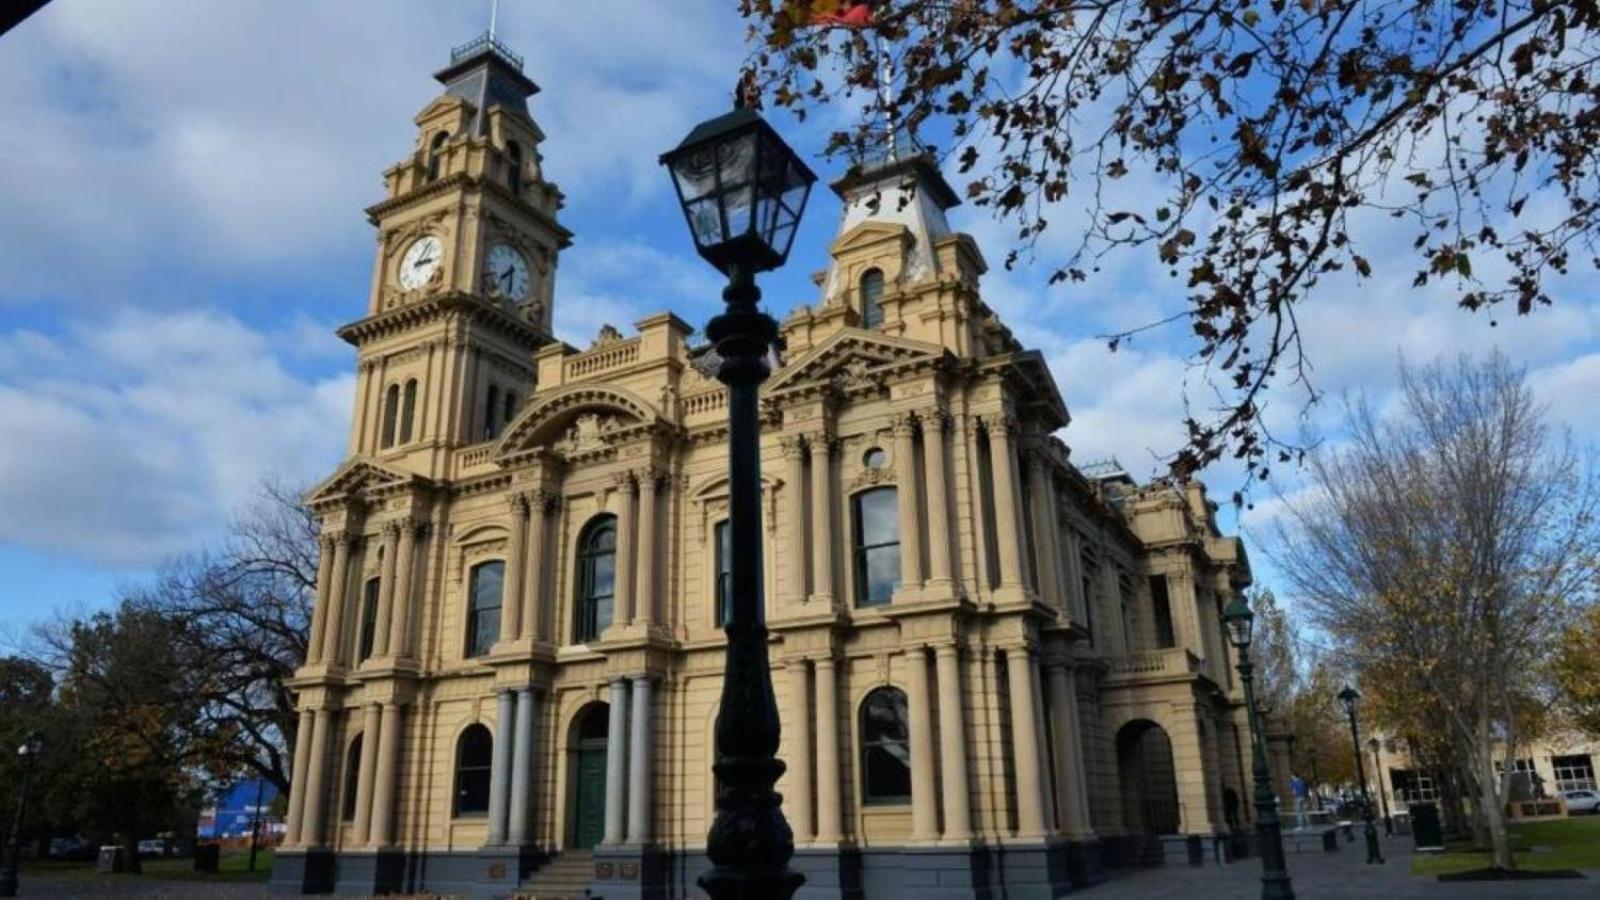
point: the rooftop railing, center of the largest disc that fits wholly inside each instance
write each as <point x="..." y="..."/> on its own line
<point x="481" y="43"/>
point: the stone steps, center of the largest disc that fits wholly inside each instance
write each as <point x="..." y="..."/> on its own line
<point x="566" y="877"/>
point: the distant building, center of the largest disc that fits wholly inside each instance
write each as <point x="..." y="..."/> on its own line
<point x="236" y="809"/>
<point x="1544" y="767"/>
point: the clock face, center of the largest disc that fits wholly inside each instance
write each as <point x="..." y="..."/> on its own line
<point x="420" y="262"/>
<point x="508" y="273"/>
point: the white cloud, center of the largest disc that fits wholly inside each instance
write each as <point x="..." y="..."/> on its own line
<point x="134" y="438"/>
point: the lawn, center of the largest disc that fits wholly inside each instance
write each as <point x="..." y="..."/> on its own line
<point x="1538" y="846"/>
<point x="232" y="866"/>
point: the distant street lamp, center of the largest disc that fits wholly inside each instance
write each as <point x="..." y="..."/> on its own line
<point x="1377" y="778"/>
<point x="1350" y="697"/>
<point x="8" y="874"/>
<point x="742" y="190"/>
<point x="1275" y="885"/>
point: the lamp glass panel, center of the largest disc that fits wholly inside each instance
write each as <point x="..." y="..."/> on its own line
<point x="696" y="173"/>
<point x="738" y="204"/>
<point x="1238" y="631"/>
<point x="705" y="220"/>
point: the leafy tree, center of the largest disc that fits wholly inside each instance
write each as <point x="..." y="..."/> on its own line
<point x="1440" y="549"/>
<point x="1253" y="148"/>
<point x="1577" y="671"/>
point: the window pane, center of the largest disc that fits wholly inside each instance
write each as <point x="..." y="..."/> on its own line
<point x="880" y="520"/>
<point x="487" y="584"/>
<point x="885" y="752"/>
<point x="724" y="579"/>
<point x="883" y="716"/>
<point x="603" y="576"/>
<point x="880" y="573"/>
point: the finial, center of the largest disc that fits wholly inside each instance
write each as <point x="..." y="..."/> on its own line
<point x="494" y="17"/>
<point x="747" y="94"/>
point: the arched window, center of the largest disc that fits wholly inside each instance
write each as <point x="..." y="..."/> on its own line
<point x="483" y="606"/>
<point x="885" y="748"/>
<point x="491" y="406"/>
<point x="511" y="409"/>
<point x="436" y="154"/>
<point x="352" y="778"/>
<point x="877" y="545"/>
<point x="724" y="570"/>
<point x="474" y="758"/>
<point x="391" y="409"/>
<point x="597" y="577"/>
<point x="369" y="617"/>
<point x="872" y="298"/>
<point x="408" y="409"/>
<point x="514" y="167"/>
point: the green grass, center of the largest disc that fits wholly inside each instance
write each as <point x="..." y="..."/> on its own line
<point x="1537" y="846"/>
<point x="232" y="866"/>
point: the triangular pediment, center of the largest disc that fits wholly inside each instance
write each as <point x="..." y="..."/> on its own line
<point x="852" y="352"/>
<point x="441" y="105"/>
<point x="870" y="233"/>
<point x="359" y="477"/>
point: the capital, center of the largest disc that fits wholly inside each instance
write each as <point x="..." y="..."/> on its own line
<point x="903" y="425"/>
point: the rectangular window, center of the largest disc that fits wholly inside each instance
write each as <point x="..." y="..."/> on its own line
<point x="369" y="618"/>
<point x="1574" y="773"/>
<point x="1162" y="604"/>
<point x="723" y="586"/>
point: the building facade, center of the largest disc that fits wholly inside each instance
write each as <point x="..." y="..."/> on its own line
<point x="998" y="671"/>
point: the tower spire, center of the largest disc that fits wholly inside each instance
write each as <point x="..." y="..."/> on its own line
<point x="494" y="17"/>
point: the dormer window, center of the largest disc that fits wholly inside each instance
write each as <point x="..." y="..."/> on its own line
<point x="436" y="154"/>
<point x="514" y="167"/>
<point x="872" y="298"/>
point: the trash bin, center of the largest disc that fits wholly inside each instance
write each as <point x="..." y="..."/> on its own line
<point x="111" y="859"/>
<point x="1197" y="851"/>
<point x="206" y="856"/>
<point x="1426" y="832"/>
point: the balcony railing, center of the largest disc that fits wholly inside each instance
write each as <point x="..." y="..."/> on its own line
<point x="1172" y="661"/>
<point x="482" y="42"/>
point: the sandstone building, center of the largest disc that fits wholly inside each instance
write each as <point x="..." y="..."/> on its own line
<point x="997" y="669"/>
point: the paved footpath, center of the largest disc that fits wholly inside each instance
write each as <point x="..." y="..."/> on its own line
<point x="78" y="885"/>
<point x="1330" y="875"/>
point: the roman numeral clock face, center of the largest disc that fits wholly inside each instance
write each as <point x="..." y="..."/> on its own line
<point x="508" y="273"/>
<point x="420" y="262"/>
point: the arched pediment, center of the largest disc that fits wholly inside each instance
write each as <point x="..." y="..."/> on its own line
<point x="717" y="486"/>
<point x="556" y="416"/>
<point x="482" y="534"/>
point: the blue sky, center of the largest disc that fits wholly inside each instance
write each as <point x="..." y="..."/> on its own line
<point x="183" y="231"/>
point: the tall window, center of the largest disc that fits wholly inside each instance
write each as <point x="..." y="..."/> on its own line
<point x="514" y="167"/>
<point x="597" y="577"/>
<point x="436" y="154"/>
<point x="724" y="579"/>
<point x="483" y="606"/>
<point x="474" y="758"/>
<point x="352" y="778"/>
<point x="877" y="545"/>
<point x="391" y="408"/>
<point x="369" y="617"/>
<point x="491" y="406"/>
<point x="511" y="409"/>
<point x="872" y="298"/>
<point x="1162" y="604"/>
<point x="408" y="409"/>
<point x="885" y="748"/>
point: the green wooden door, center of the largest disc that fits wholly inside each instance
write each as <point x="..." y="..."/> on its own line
<point x="589" y="825"/>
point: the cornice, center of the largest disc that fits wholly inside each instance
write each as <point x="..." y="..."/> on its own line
<point x="437" y="306"/>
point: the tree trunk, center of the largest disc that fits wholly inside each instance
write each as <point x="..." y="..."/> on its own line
<point x="1494" y="812"/>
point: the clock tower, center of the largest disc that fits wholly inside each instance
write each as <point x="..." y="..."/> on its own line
<point x="464" y="274"/>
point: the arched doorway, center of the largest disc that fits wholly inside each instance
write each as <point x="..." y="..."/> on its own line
<point x="1148" y="778"/>
<point x="587" y="746"/>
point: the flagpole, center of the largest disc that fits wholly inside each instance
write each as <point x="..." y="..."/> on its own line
<point x="885" y="88"/>
<point x="494" y="17"/>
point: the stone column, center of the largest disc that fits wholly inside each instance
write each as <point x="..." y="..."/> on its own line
<point x="828" y="769"/>
<point x="622" y="604"/>
<point x="533" y="624"/>
<point x="399" y="639"/>
<point x="319" y="613"/>
<point x="641" y="737"/>
<point x="1046" y="551"/>
<point x="798" y="730"/>
<point x="297" y="779"/>
<point x="1025" y="743"/>
<point x="391" y="549"/>
<point x="924" y="801"/>
<point x="616" y="762"/>
<point x="369" y="761"/>
<point x="521" y="771"/>
<point x="644" y="596"/>
<point x="387" y="786"/>
<point x="905" y="465"/>
<point x="985" y="577"/>
<point x="953" y="745"/>
<point x="316" y="767"/>
<point x="795" y="525"/>
<point x="821" y="520"/>
<point x="1007" y="501"/>
<point x="511" y="602"/>
<point x="500" y="768"/>
<point x="332" y="641"/>
<point x="1072" y="787"/>
<point x="939" y="515"/>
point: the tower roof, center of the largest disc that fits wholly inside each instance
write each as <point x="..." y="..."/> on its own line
<point x="485" y="72"/>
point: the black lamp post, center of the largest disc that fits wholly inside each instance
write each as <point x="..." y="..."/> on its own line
<point x="1377" y="779"/>
<point x="1275" y="885"/>
<point x="8" y="874"/>
<point x="742" y="190"/>
<point x="1350" y="697"/>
